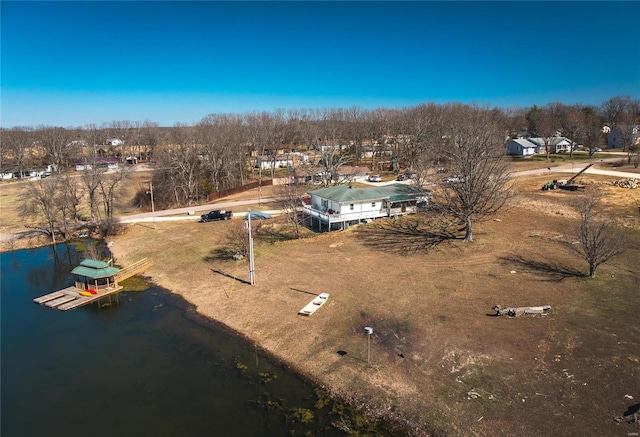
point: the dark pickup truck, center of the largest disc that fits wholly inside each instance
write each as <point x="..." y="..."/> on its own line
<point x="218" y="214"/>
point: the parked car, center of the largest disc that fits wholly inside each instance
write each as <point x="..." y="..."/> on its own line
<point x="218" y="214"/>
<point x="407" y="175"/>
<point x="374" y="178"/>
<point x="257" y="215"/>
<point x="455" y="179"/>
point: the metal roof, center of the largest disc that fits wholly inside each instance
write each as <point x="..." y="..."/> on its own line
<point x="346" y="194"/>
<point x="95" y="269"/>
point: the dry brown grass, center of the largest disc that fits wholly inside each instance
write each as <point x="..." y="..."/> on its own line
<point x="438" y="357"/>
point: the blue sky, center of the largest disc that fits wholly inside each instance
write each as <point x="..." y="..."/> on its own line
<point x="74" y="63"/>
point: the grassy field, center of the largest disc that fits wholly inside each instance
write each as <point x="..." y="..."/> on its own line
<point x="440" y="360"/>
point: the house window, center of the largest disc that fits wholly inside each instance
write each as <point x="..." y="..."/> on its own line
<point x="373" y="204"/>
<point x="351" y="207"/>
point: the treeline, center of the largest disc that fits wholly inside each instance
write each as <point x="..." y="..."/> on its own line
<point x="219" y="152"/>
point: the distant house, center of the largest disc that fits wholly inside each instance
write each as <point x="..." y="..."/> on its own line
<point x="521" y="147"/>
<point x="620" y="135"/>
<point x="28" y="173"/>
<point x="309" y="175"/>
<point x="278" y="161"/>
<point x="326" y="146"/>
<point x="318" y="175"/>
<point x="353" y="174"/>
<point x="341" y="205"/>
<point x="555" y="144"/>
<point x="105" y="163"/>
<point x="114" y="142"/>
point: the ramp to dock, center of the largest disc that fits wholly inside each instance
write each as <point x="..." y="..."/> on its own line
<point x="134" y="269"/>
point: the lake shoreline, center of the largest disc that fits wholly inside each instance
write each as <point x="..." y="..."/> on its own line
<point x="393" y="422"/>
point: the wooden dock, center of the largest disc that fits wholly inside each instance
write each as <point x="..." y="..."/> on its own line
<point x="70" y="297"/>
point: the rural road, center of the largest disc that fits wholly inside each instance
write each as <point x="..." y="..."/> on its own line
<point x="193" y="212"/>
<point x="575" y="168"/>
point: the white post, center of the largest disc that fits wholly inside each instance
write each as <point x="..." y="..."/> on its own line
<point x="368" y="331"/>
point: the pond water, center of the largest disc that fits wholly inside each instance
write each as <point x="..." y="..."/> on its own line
<point x="144" y="367"/>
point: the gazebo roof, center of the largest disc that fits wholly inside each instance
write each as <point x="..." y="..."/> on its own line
<point x="95" y="269"/>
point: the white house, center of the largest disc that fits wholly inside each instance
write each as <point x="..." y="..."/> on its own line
<point x="278" y="161"/>
<point x="105" y="163"/>
<point x="556" y="144"/>
<point x="521" y="147"/>
<point x="114" y="142"/>
<point x="353" y="174"/>
<point x="339" y="206"/>
<point x="617" y="136"/>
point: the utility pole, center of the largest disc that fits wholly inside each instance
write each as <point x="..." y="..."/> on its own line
<point x="252" y="272"/>
<point x="153" y="208"/>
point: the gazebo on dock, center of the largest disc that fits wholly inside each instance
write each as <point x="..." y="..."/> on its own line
<point x="95" y="275"/>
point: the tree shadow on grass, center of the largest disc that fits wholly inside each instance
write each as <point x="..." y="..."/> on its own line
<point x="220" y="254"/>
<point x="274" y="235"/>
<point x="553" y="271"/>
<point x="404" y="236"/>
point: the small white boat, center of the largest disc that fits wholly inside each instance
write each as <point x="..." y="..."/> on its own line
<point x="314" y="305"/>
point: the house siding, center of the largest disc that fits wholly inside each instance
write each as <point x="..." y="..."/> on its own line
<point x="332" y="206"/>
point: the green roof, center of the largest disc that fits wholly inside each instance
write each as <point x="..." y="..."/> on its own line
<point x="392" y="192"/>
<point x="95" y="269"/>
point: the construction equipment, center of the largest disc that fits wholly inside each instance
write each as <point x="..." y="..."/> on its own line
<point x="568" y="184"/>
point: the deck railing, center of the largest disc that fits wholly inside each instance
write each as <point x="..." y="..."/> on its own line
<point x="134" y="269"/>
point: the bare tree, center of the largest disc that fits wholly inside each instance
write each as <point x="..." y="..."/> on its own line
<point x="68" y="200"/>
<point x="629" y="129"/>
<point x="217" y="154"/>
<point x="92" y="177"/>
<point x="482" y="185"/>
<point x="570" y="120"/>
<point x="109" y="185"/>
<point x="180" y="164"/>
<point x="597" y="244"/>
<point x="289" y="203"/>
<point x="542" y="124"/>
<point x="40" y="205"/>
<point x="612" y="111"/>
<point x="592" y="135"/>
<point x="260" y="127"/>
<point x="17" y="148"/>
<point x="331" y="159"/>
<point x="56" y="141"/>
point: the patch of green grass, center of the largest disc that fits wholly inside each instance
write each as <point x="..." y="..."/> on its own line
<point x="134" y="284"/>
